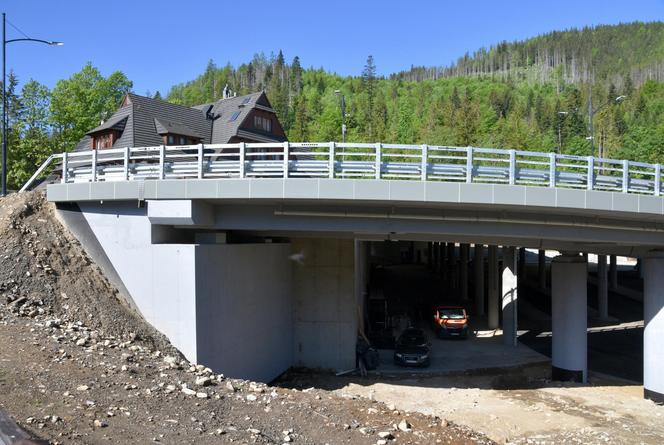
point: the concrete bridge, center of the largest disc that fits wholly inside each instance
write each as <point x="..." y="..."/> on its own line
<point x="253" y="258"/>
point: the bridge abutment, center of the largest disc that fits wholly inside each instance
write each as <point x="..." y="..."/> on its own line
<point x="492" y="298"/>
<point x="569" y="356"/>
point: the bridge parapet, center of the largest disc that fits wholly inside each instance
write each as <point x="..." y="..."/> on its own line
<point x="357" y="161"/>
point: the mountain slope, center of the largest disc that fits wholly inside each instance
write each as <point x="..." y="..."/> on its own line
<point x="606" y="52"/>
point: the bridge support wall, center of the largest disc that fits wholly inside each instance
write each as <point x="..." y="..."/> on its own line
<point x="492" y="300"/>
<point x="653" y="306"/>
<point x="478" y="269"/>
<point x="569" y="308"/>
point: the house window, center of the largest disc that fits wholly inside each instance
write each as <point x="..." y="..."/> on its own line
<point x="177" y="139"/>
<point x="103" y="140"/>
<point x="263" y="123"/>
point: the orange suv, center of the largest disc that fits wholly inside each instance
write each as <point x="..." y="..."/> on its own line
<point x="451" y="321"/>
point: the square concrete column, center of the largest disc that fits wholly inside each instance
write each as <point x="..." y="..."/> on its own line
<point x="522" y="263"/>
<point x="443" y="261"/>
<point x="541" y="269"/>
<point x="478" y="279"/>
<point x="493" y="288"/>
<point x="602" y="288"/>
<point x="509" y="295"/>
<point x="613" y="272"/>
<point x="451" y="262"/>
<point x="463" y="271"/>
<point x="569" y="318"/>
<point x="653" y="334"/>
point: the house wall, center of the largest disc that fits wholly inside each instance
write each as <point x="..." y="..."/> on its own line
<point x="324" y="316"/>
<point x="248" y="123"/>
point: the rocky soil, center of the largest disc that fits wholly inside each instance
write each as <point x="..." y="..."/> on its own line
<point x="78" y="366"/>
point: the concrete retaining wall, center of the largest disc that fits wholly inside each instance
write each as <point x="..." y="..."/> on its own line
<point x="244" y="309"/>
<point x="160" y="278"/>
<point x="325" y="320"/>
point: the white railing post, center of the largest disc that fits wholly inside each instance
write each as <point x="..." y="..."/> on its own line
<point x="243" y="149"/>
<point x="65" y="167"/>
<point x="469" y="165"/>
<point x="93" y="166"/>
<point x="331" y="155"/>
<point x="162" y="162"/>
<point x="590" y="183"/>
<point x="125" y="164"/>
<point x="286" y="156"/>
<point x="625" y="176"/>
<point x="379" y="147"/>
<point x="658" y="180"/>
<point x="552" y="169"/>
<point x="200" y="161"/>
<point x="425" y="161"/>
<point x="512" y="172"/>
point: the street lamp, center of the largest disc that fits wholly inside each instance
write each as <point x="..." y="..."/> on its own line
<point x="4" y="94"/>
<point x="342" y="104"/>
<point x="591" y="114"/>
<point x="560" y="138"/>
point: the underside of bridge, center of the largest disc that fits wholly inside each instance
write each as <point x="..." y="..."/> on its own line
<point x="254" y="287"/>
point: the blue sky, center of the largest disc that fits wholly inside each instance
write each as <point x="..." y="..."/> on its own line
<point x="160" y="43"/>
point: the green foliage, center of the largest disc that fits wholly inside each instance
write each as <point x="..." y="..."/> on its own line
<point x="79" y="103"/>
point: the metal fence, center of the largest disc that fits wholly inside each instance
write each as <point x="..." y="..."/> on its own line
<point x="359" y="161"/>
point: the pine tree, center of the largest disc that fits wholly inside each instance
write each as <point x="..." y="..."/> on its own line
<point x="368" y="84"/>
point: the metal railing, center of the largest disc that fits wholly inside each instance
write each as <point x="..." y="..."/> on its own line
<point x="359" y="161"/>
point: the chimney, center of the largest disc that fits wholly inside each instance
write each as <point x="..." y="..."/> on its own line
<point x="226" y="92"/>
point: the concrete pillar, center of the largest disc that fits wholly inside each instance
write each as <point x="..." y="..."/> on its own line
<point x="509" y="295"/>
<point x="443" y="261"/>
<point x="430" y="256"/>
<point x="463" y="271"/>
<point x="522" y="263"/>
<point x="541" y="269"/>
<point x="613" y="272"/>
<point x="478" y="279"/>
<point x="493" y="288"/>
<point x="653" y="317"/>
<point x="569" y="354"/>
<point x="602" y="288"/>
<point x="451" y="263"/>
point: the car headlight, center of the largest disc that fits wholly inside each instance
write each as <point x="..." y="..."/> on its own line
<point x="424" y="357"/>
<point x="399" y="355"/>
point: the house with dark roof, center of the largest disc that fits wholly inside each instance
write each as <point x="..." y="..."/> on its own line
<point x="144" y="122"/>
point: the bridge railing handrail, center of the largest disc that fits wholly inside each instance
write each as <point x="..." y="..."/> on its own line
<point x="356" y="160"/>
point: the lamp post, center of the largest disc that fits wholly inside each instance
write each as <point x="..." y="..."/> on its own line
<point x="4" y="94"/>
<point x="591" y="114"/>
<point x="342" y="104"/>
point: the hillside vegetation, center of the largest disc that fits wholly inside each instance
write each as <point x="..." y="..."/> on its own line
<point x="530" y="95"/>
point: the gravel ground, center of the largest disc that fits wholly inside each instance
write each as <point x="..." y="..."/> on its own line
<point x="78" y="366"/>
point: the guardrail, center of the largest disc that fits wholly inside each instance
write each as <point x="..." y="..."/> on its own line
<point x="360" y="161"/>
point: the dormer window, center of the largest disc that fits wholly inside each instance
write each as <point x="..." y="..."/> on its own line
<point x="103" y="140"/>
<point x="263" y="123"/>
<point x="178" y="139"/>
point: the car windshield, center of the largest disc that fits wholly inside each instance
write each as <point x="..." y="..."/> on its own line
<point x="454" y="313"/>
<point x="414" y="338"/>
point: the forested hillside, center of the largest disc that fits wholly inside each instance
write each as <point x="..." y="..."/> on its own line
<point x="603" y="53"/>
<point x="531" y="95"/>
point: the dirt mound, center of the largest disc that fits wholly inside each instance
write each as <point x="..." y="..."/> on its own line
<point x="44" y="269"/>
<point x="78" y="366"/>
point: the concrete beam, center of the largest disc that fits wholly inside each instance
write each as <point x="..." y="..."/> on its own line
<point x="181" y="212"/>
<point x="569" y="311"/>
<point x="510" y="296"/>
<point x="653" y="334"/>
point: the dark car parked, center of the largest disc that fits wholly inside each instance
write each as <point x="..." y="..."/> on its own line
<point x="412" y="348"/>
